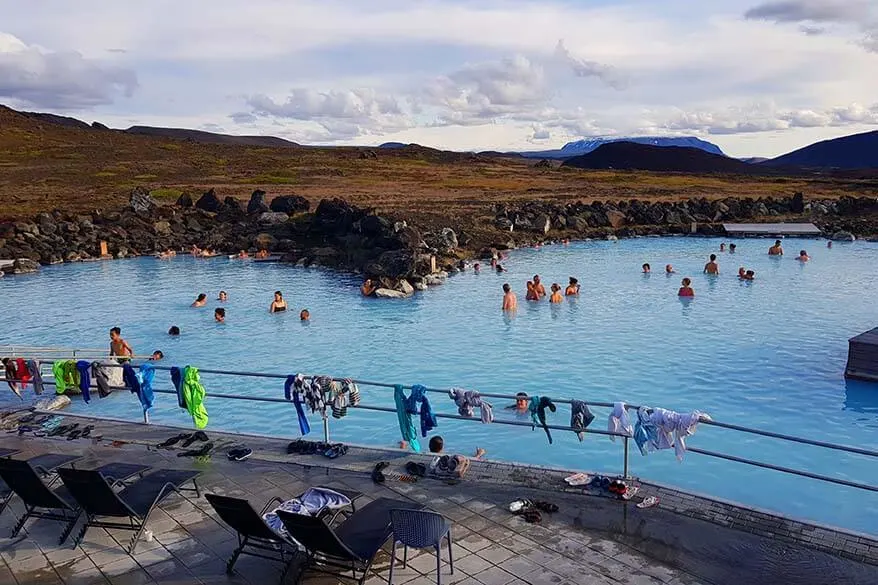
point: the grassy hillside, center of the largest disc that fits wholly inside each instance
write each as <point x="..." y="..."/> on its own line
<point x="45" y="166"/>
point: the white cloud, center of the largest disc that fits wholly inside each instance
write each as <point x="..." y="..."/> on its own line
<point x="585" y="68"/>
<point x="34" y="77"/>
<point x="862" y="14"/>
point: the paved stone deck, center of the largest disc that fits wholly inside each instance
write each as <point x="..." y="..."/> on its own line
<point x="591" y="540"/>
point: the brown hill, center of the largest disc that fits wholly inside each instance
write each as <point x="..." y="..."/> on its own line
<point x="47" y="162"/>
<point x="646" y="157"/>
<point x="209" y="137"/>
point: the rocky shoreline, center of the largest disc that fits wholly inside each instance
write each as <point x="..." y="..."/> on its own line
<point x="398" y="256"/>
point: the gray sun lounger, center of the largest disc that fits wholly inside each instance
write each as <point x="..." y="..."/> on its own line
<point x="43" y="464"/>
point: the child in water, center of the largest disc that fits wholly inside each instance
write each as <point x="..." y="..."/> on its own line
<point x="686" y="290"/>
<point x="556" y="293"/>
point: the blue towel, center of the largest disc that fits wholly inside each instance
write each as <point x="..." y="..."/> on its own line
<point x="406" y="426"/>
<point x="295" y="396"/>
<point x="147" y="375"/>
<point x="84" y="369"/>
<point x="428" y="419"/>
<point x="130" y="378"/>
<point x="177" y="380"/>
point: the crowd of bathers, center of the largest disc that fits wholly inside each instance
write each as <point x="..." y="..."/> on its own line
<point x="536" y="291"/>
<point x="278" y="305"/>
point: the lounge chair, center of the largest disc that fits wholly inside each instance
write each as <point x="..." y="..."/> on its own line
<point x="42" y="464"/>
<point x="352" y="546"/>
<point x="40" y="501"/>
<point x="253" y="532"/>
<point x="95" y="495"/>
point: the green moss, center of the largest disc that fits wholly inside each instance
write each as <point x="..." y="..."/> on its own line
<point x="166" y="193"/>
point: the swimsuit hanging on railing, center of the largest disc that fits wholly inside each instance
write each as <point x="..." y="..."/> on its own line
<point x="467" y="400"/>
<point x="11" y="375"/>
<point x="428" y="419"/>
<point x="84" y="369"/>
<point x="580" y="417"/>
<point x="293" y="392"/>
<point x="102" y="379"/>
<point x="537" y="409"/>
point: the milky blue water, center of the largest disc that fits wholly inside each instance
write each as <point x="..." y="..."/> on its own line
<point x="768" y="354"/>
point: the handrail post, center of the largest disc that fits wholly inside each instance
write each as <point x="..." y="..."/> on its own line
<point x="146" y="417"/>
<point x="625" y="464"/>
<point x="325" y="429"/>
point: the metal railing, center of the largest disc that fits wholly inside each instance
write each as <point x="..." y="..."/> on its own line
<point x="625" y="437"/>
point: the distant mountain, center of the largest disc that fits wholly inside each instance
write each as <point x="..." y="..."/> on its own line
<point x="858" y="151"/>
<point x="56" y="119"/>
<point x="646" y="157"/>
<point x="587" y="145"/>
<point x="393" y="145"/>
<point x="753" y="160"/>
<point x="209" y="137"/>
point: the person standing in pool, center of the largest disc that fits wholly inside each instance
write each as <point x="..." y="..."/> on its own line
<point x="305" y="315"/>
<point x="531" y="294"/>
<point x="712" y="267"/>
<point x="572" y="288"/>
<point x="803" y="256"/>
<point x="538" y="287"/>
<point x="119" y="346"/>
<point x="200" y="301"/>
<point x="776" y="249"/>
<point x="686" y="290"/>
<point x="646" y="268"/>
<point x="278" y="305"/>
<point x="556" y="293"/>
<point x="732" y="248"/>
<point x="722" y="247"/>
<point x="510" y="303"/>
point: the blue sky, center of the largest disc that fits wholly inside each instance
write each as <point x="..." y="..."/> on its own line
<point x="757" y="78"/>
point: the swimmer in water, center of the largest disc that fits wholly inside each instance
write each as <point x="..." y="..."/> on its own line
<point x="732" y="248"/>
<point x="829" y="244"/>
<point x="500" y="268"/>
<point x="368" y="288"/>
<point x="156" y="356"/>
<point x="572" y="288"/>
<point x="712" y="267"/>
<point x="223" y="296"/>
<point x="538" y="287"/>
<point x="531" y="294"/>
<point x="305" y="315"/>
<point x="750" y="275"/>
<point x="646" y="268"/>
<point x="510" y="303"/>
<point x="669" y="269"/>
<point x="722" y="247"/>
<point x="477" y="267"/>
<point x="686" y="289"/>
<point x="243" y="254"/>
<point x="119" y="346"/>
<point x="803" y="256"/>
<point x="742" y="273"/>
<point x="219" y="315"/>
<point x="278" y="305"/>
<point x="556" y="293"/>
<point x="200" y="301"/>
<point x="174" y="331"/>
<point x="776" y="249"/>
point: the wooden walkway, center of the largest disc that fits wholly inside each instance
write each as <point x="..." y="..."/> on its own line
<point x="772" y="229"/>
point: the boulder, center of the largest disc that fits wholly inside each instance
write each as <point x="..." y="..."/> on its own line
<point x="448" y="239"/>
<point x="141" y="201"/>
<point x="409" y="236"/>
<point x="436" y="279"/>
<point x="797" y="203"/>
<point x="257" y="203"/>
<point x="184" y="201"/>
<point x="273" y="218"/>
<point x="542" y="224"/>
<point x="264" y="241"/>
<point x="336" y="216"/>
<point x="388" y="293"/>
<point x="375" y="226"/>
<point x="503" y="223"/>
<point x="209" y="202"/>
<point x="162" y="228"/>
<point x="232" y="208"/>
<point x="560" y="222"/>
<point x="418" y="283"/>
<point x="290" y="204"/>
<point x="395" y="263"/>
<point x="405" y="288"/>
<point x="843" y="236"/>
<point x="615" y="218"/>
<point x="24" y="266"/>
<point x="577" y="223"/>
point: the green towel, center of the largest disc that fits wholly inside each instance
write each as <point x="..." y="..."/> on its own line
<point x="66" y="376"/>
<point x="194" y="394"/>
<point x="406" y="425"/>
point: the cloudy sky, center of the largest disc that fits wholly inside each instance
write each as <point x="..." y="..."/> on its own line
<point x="756" y="78"/>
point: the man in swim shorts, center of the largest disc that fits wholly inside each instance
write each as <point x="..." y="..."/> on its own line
<point x="510" y="303"/>
<point x="711" y="267"/>
<point x="776" y="249"/>
<point x="538" y="287"/>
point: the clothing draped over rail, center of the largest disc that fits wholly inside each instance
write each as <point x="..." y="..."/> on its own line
<point x="467" y="400"/>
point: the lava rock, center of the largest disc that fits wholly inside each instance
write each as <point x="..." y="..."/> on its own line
<point x="615" y="218"/>
<point x="389" y="293"/>
<point x="797" y="203"/>
<point x="141" y="201"/>
<point x="257" y="203"/>
<point x="448" y="239"/>
<point x="209" y="202"/>
<point x="184" y="201"/>
<point x="272" y="218"/>
<point x="290" y="204"/>
<point x="264" y="241"/>
<point x="24" y="266"/>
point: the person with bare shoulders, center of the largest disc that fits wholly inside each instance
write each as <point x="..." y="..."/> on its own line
<point x="368" y="288"/>
<point x="278" y="305"/>
<point x="305" y="315"/>
<point x="556" y="293"/>
<point x="510" y="303"/>
<point x="829" y="244"/>
<point x="742" y="273"/>
<point x="686" y="289"/>
<point x="669" y="269"/>
<point x="538" y="287"/>
<point x="200" y="301"/>
<point x="776" y="249"/>
<point x="477" y="267"/>
<point x="712" y="267"/>
<point x="119" y="346"/>
<point x="531" y="292"/>
<point x="750" y="275"/>
<point x="572" y="288"/>
<point x="195" y="251"/>
<point x="219" y="315"/>
<point x="803" y="256"/>
<point x="243" y="255"/>
<point x="262" y="254"/>
<point x="722" y="247"/>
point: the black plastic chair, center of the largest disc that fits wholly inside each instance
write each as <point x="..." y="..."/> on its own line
<point x="419" y="529"/>
<point x="253" y="532"/>
<point x="352" y="546"/>
<point x="40" y="501"/>
<point x="95" y="495"/>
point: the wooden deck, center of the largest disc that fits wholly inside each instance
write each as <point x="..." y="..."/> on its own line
<point x="863" y="357"/>
<point x="772" y="229"/>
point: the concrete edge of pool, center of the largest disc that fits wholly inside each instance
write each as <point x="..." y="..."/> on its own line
<point x="838" y="542"/>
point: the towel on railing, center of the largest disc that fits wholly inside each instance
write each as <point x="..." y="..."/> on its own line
<point x="147" y="375"/>
<point x="177" y="381"/>
<point x="66" y="376"/>
<point x="428" y="419"/>
<point x="23" y="373"/>
<point x="580" y="417"/>
<point x="129" y="376"/>
<point x="467" y="400"/>
<point x="537" y="409"/>
<point x="193" y="393"/>
<point x="353" y="391"/>
<point x="11" y="375"/>
<point x="102" y="378"/>
<point x="292" y="392"/>
<point x="34" y="367"/>
<point x="619" y="421"/>
<point x="84" y="369"/>
<point x="406" y="426"/>
<point x="314" y="392"/>
<point x="645" y="432"/>
<point x="673" y="428"/>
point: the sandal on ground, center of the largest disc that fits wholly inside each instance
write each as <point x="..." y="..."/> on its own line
<point x="532" y="516"/>
<point x="578" y="479"/>
<point x="295" y="447"/>
<point x="416" y="469"/>
<point x="196" y="436"/>
<point x="377" y="475"/>
<point x="630" y="492"/>
<point x="648" y="502"/>
<point x="335" y="451"/>
<point x="173" y="440"/>
<point x="87" y="431"/>
<point x="545" y="506"/>
<point x="200" y="452"/>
